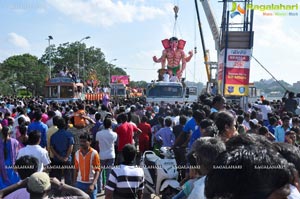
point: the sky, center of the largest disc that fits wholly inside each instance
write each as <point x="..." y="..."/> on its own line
<point x="130" y="33"/>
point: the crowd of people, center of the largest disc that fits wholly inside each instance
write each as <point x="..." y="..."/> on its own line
<point x="79" y="149"/>
<point x="68" y="73"/>
<point x="168" y="78"/>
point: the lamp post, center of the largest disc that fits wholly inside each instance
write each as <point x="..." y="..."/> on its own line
<point x="109" y="69"/>
<point x="83" y="65"/>
<point x="78" y="67"/>
<point x="49" y="54"/>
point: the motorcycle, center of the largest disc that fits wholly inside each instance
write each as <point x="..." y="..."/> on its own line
<point x="161" y="172"/>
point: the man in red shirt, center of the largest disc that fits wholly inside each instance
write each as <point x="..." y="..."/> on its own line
<point x="145" y="136"/>
<point x="125" y="134"/>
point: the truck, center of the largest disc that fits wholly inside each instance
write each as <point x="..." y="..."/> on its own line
<point x="171" y="93"/>
<point x="118" y="90"/>
<point x="63" y="89"/>
<point x="192" y="93"/>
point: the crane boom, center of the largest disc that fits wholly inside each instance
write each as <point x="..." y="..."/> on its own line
<point x="205" y="55"/>
<point x="212" y="22"/>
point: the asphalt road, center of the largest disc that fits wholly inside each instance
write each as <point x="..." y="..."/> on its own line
<point x="145" y="196"/>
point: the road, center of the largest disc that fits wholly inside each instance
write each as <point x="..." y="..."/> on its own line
<point x="145" y="196"/>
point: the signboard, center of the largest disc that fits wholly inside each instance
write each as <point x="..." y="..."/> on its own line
<point x="124" y="79"/>
<point x="237" y="72"/>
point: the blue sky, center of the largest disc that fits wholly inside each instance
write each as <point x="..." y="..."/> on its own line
<point x="131" y="32"/>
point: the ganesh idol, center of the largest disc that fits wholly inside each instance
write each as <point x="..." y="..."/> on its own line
<point x="174" y="56"/>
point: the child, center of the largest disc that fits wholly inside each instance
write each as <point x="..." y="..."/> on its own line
<point x="23" y="138"/>
<point x="194" y="174"/>
<point x="21" y="121"/>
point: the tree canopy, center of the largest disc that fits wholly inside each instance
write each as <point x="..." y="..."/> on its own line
<point x="23" y="71"/>
<point x="31" y="72"/>
<point x="91" y="61"/>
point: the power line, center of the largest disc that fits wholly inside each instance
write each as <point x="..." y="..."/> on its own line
<point x="269" y="73"/>
<point x="140" y="68"/>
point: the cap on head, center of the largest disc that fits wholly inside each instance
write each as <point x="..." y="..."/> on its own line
<point x="255" y="121"/>
<point x="39" y="182"/>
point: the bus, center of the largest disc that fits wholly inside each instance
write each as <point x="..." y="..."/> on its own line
<point x="63" y="89"/>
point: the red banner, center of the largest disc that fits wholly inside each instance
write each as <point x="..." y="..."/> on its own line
<point x="237" y="76"/>
<point x="124" y="79"/>
<point x="237" y="72"/>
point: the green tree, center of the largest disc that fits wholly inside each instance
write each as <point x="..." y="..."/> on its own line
<point x="270" y="85"/>
<point x="23" y="70"/>
<point x="138" y="84"/>
<point x="91" y="60"/>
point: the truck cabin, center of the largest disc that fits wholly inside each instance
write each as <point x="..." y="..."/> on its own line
<point x="118" y="90"/>
<point x="191" y="93"/>
<point x="168" y="92"/>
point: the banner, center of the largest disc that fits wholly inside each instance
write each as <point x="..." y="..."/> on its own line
<point x="124" y="79"/>
<point x="221" y="71"/>
<point x="237" y="72"/>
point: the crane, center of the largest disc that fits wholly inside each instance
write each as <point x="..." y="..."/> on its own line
<point x="228" y="36"/>
<point x="209" y="66"/>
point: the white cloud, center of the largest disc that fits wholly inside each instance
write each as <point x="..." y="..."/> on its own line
<point x="18" y="40"/>
<point x="20" y="7"/>
<point x="4" y="54"/>
<point x="147" y="54"/>
<point x="105" y="12"/>
<point x="276" y="45"/>
<point x="275" y="31"/>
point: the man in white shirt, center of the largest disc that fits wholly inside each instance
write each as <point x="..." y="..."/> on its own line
<point x="34" y="149"/>
<point x="265" y="108"/>
<point x="166" y="77"/>
<point x="174" y="78"/>
<point x="106" y="139"/>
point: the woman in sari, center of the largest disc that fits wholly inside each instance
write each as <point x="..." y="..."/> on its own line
<point x="8" y="152"/>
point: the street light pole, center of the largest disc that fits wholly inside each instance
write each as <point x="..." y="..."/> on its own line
<point x="78" y="67"/>
<point x="49" y="54"/>
<point x="83" y="64"/>
<point x="109" y="69"/>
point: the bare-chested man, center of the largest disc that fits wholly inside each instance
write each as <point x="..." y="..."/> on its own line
<point x="174" y="55"/>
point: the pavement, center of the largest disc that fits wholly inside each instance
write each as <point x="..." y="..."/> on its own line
<point x="145" y="195"/>
<point x="101" y="195"/>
